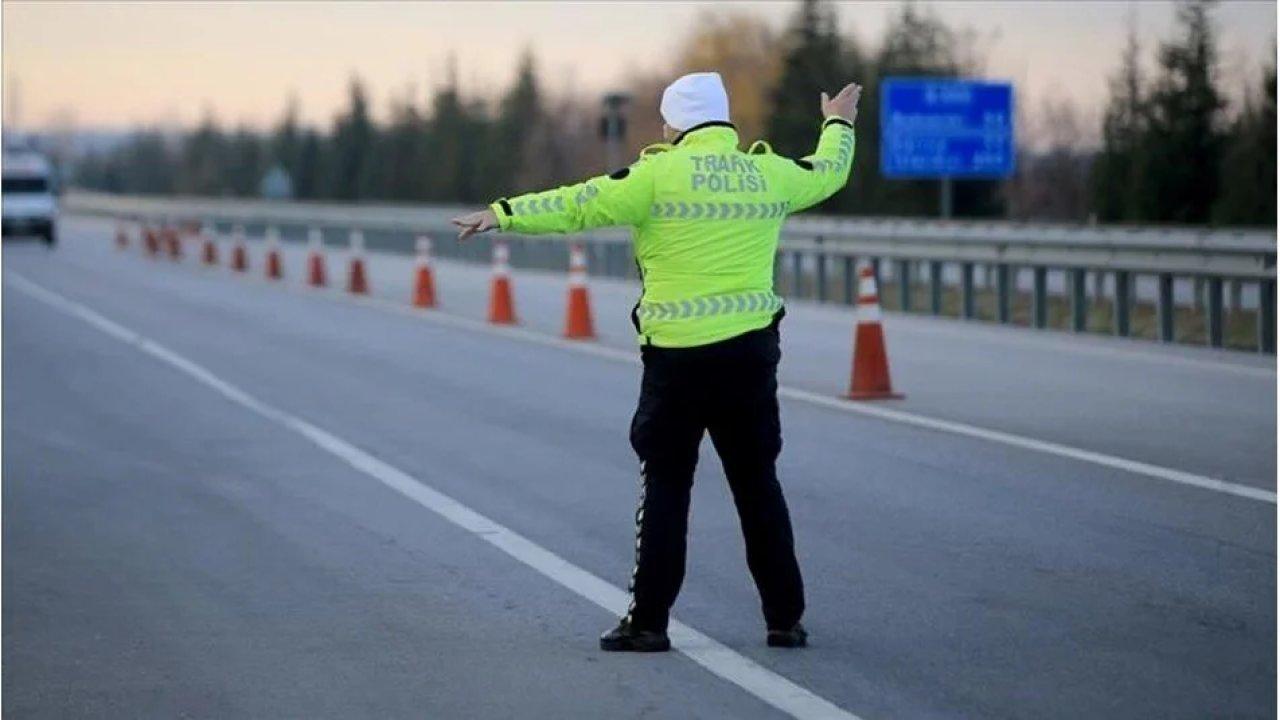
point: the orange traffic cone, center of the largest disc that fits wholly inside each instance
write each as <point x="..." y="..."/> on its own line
<point x="122" y="236"/>
<point x="315" y="258"/>
<point x="577" y="314"/>
<point x="274" y="269"/>
<point x="239" y="253"/>
<point x="173" y="242"/>
<point x="209" y="247"/>
<point x="151" y="240"/>
<point x="424" y="286"/>
<point x="502" y="309"/>
<point x="870" y="376"/>
<point x="356" y="282"/>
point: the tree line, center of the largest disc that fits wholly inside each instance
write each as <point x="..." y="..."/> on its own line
<point x="1172" y="150"/>
<point x="1171" y="153"/>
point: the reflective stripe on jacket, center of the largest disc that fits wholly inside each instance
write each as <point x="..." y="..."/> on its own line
<point x="706" y="218"/>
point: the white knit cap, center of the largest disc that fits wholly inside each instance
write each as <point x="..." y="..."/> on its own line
<point x="694" y="99"/>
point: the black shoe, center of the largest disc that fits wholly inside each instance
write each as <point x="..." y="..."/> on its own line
<point x="625" y="638"/>
<point x="796" y="637"/>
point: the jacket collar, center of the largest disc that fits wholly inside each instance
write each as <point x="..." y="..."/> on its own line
<point x="713" y="132"/>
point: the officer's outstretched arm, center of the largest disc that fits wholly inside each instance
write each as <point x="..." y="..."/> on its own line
<point x="818" y="176"/>
<point x="622" y="198"/>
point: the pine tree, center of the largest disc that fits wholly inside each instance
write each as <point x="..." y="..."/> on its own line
<point x="308" y="173"/>
<point x="1249" y="163"/>
<point x="246" y="163"/>
<point x="147" y="164"/>
<point x="402" y="156"/>
<point x="814" y="63"/>
<point x="1115" y="171"/>
<point x="203" y="158"/>
<point x="350" y="148"/>
<point x="509" y="160"/>
<point x="455" y="139"/>
<point x="287" y="141"/>
<point x="1182" y="149"/>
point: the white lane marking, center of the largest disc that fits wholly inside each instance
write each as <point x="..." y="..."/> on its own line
<point x="721" y="661"/>
<point x="1056" y="341"/>
<point x="1048" y="340"/>
<point x="1137" y="467"/>
<point x="1052" y="448"/>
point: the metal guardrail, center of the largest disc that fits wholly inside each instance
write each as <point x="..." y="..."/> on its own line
<point x="818" y="254"/>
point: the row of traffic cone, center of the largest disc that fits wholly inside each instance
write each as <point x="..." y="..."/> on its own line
<point x="577" y="316"/>
<point x="578" y="324"/>
<point x="357" y="280"/>
<point x="167" y="240"/>
<point x="156" y="241"/>
<point x="869" y="376"/>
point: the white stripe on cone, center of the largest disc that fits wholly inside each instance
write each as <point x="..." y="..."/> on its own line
<point x="577" y="266"/>
<point x="501" y="259"/>
<point x="868" y="306"/>
<point x="423" y="246"/>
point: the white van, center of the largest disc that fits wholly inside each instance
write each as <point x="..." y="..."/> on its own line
<point x="29" y="201"/>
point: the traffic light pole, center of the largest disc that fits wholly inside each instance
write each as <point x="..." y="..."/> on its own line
<point x="613" y="128"/>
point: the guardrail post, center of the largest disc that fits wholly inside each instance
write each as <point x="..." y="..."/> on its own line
<point x="850" y="279"/>
<point x="904" y="285"/>
<point x="1079" y="299"/>
<point x="966" y="290"/>
<point x="1213" y="320"/>
<point x="935" y="287"/>
<point x="1039" y="297"/>
<point x="1164" y="307"/>
<point x="1267" y="316"/>
<point x="1120" y="318"/>
<point x="797" y="274"/>
<point x="1002" y="293"/>
<point x="628" y="264"/>
<point x="875" y="272"/>
<point x="821" y="279"/>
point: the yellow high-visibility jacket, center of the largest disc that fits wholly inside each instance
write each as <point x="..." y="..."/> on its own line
<point x="706" y="218"/>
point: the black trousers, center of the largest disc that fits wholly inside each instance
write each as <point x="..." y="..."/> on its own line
<point x="730" y="390"/>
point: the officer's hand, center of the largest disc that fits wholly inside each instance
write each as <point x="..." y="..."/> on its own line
<point x="476" y="222"/>
<point x="844" y="104"/>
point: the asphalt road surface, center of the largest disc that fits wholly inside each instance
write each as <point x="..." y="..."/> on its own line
<point x="227" y="498"/>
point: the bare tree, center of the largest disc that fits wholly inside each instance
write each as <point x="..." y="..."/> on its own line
<point x="1053" y="169"/>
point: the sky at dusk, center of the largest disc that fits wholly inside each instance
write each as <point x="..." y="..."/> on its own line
<point x="113" y="64"/>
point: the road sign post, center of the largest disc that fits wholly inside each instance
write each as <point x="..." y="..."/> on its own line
<point x="946" y="129"/>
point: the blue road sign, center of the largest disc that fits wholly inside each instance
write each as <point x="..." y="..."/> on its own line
<point x="941" y="127"/>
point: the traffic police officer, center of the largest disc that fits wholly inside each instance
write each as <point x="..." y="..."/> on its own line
<point x="706" y="218"/>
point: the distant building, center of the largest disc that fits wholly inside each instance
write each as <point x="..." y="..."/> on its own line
<point x="276" y="184"/>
